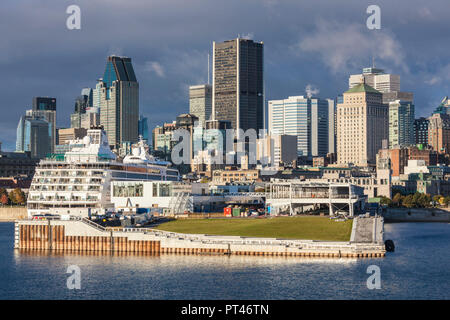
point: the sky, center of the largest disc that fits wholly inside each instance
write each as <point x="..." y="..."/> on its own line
<point x="308" y="45"/>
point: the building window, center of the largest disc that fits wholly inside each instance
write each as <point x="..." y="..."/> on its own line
<point x="128" y="190"/>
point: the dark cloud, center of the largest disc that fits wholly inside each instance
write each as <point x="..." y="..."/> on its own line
<point x="307" y="42"/>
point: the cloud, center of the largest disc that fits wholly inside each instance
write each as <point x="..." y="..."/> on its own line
<point x="344" y="47"/>
<point x="311" y="91"/>
<point x="156" y="67"/>
<point x="249" y="35"/>
<point x="425" y="13"/>
<point x="169" y="41"/>
<point x="433" y="80"/>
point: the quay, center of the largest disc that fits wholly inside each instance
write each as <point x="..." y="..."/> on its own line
<point x="83" y="235"/>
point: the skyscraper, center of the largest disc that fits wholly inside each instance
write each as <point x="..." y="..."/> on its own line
<point x="34" y="134"/>
<point x="45" y="107"/>
<point x="362" y="125"/>
<point x="238" y="83"/>
<point x="143" y="128"/>
<point x="421" y="131"/>
<point x="85" y="115"/>
<point x="439" y="132"/>
<point x="44" y="103"/>
<point x="200" y="102"/>
<point x="306" y="118"/>
<point x="401" y="124"/>
<point x="387" y="84"/>
<point x="331" y="126"/>
<point x="118" y="92"/>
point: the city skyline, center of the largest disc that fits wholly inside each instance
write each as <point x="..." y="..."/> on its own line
<point x="295" y="56"/>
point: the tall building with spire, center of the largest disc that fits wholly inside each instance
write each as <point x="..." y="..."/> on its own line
<point x="117" y="95"/>
<point x="238" y="83"/>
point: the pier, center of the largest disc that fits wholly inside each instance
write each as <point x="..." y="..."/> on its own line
<point x="83" y="235"/>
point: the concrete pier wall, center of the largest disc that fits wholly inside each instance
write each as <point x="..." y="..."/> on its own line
<point x="12" y="213"/>
<point x="79" y="235"/>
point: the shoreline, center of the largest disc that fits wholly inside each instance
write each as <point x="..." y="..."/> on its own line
<point x="84" y="235"/>
<point x="416" y="215"/>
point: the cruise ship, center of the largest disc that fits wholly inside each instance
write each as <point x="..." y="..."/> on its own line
<point x="78" y="182"/>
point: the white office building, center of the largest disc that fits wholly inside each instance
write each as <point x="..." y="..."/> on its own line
<point x="306" y="118"/>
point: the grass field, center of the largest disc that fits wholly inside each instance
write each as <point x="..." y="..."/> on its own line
<point x="311" y="228"/>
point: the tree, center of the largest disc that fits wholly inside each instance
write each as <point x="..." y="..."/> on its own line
<point x="4" y="199"/>
<point x="447" y="200"/>
<point x="436" y="198"/>
<point x="424" y="200"/>
<point x="398" y="199"/>
<point x="416" y="200"/>
<point x="408" y="201"/>
<point x="4" y="196"/>
<point x="17" y="196"/>
<point x="385" y="201"/>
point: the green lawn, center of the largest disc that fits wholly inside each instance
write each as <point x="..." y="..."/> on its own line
<point x="312" y="228"/>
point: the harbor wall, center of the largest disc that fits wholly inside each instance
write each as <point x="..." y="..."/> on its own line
<point x="12" y="213"/>
<point x="82" y="235"/>
<point x="416" y="215"/>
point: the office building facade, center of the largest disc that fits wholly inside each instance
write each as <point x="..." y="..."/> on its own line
<point x="68" y="134"/>
<point x="143" y="128"/>
<point x="401" y="124"/>
<point x="238" y="83"/>
<point x="439" y="132"/>
<point x="421" y="131"/>
<point x="200" y="102"/>
<point x="362" y="125"/>
<point x="305" y="118"/>
<point x="34" y="134"/>
<point x="387" y="84"/>
<point x="118" y="92"/>
<point x="45" y="107"/>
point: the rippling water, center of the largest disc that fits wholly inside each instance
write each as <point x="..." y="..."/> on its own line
<point x="419" y="269"/>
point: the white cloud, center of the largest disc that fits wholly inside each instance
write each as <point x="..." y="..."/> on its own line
<point x="425" y="13"/>
<point x="156" y="67"/>
<point x="433" y="80"/>
<point x="311" y="91"/>
<point x="344" y="47"/>
<point x="249" y="35"/>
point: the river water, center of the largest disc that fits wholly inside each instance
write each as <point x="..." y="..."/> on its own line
<point x="419" y="269"/>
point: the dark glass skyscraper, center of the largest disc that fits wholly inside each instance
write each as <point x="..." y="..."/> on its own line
<point x="119" y="101"/>
<point x="44" y="103"/>
<point x="238" y="83"/>
<point x="143" y="127"/>
<point x="45" y="107"/>
<point x="34" y="134"/>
